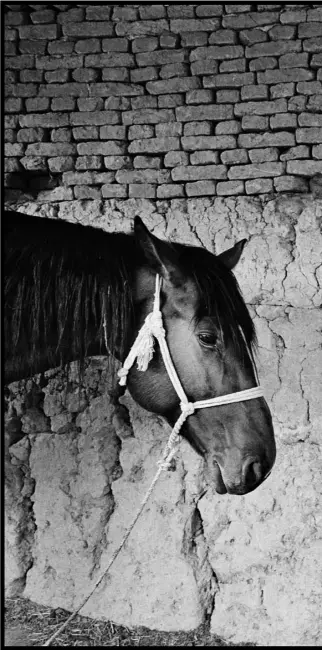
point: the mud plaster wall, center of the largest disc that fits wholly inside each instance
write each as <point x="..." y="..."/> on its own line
<point x="251" y="565"/>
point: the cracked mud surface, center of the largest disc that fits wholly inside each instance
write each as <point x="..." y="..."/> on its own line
<point x="251" y="565"/>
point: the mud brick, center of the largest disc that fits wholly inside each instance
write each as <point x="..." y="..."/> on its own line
<point x="89" y="29"/>
<point x="148" y="116"/>
<point x="169" y="40"/>
<point x="197" y="128"/>
<point x="56" y="76"/>
<point x="14" y="18"/>
<point x="201" y="188"/>
<point x="204" y="112"/>
<point x="125" y="13"/>
<point x="223" y="37"/>
<point x="180" y="11"/>
<point x="152" y="12"/>
<point x="40" y="104"/>
<point x="27" y="76"/>
<point x="61" y="135"/>
<point x="313" y="103"/>
<point x="114" y="88"/>
<point x="161" y="57"/>
<point x="10" y="34"/>
<point x="268" y="7"/>
<point x="110" y="60"/>
<point x="117" y="103"/>
<point x="143" y="102"/>
<point x="171" y="129"/>
<point x="83" y="163"/>
<point x="227" y="96"/>
<point x="154" y="145"/>
<point x="171" y="101"/>
<point x="237" y="157"/>
<point x="25" y="90"/>
<point x="294" y="60"/>
<point x="251" y="36"/>
<point x="87" y="192"/>
<point x="282" y="90"/>
<point x="180" y="25"/>
<point x="199" y="172"/>
<point x="309" y="135"/>
<point x="192" y="143"/>
<point x="258" y="140"/>
<point x="284" y="75"/>
<point x="143" y="176"/>
<point x="10" y="135"/>
<point x="174" y="158"/>
<point x="61" y="164"/>
<point x="115" y="45"/>
<point x="309" y="88"/>
<point x="170" y="191"/>
<point x="258" y="170"/>
<point x="304" y="167"/>
<point x="254" y="92"/>
<point x="230" y="127"/>
<point x="11" y="165"/>
<point x="248" y="20"/>
<point x="146" y="162"/>
<point x="317" y="151"/>
<point x="34" y="163"/>
<point x="44" y="16"/>
<point x="73" y="15"/>
<point x="13" y="105"/>
<point x="91" y="104"/>
<point x="221" y="53"/>
<point x="142" y="28"/>
<point x="229" y="188"/>
<point x="112" y="132"/>
<point x="147" y="44"/>
<point x="85" y="133"/>
<point x="261" y="108"/>
<point x="292" y="17"/>
<point x="57" y="194"/>
<point x="114" y="191"/>
<point x="108" y="148"/>
<point x="204" y="158"/>
<point x="310" y="119"/>
<point x="63" y="104"/>
<point x="236" y="65"/>
<point x="237" y="9"/>
<point x="283" y="121"/>
<point x="117" y="162"/>
<point x="290" y="184"/>
<point x="263" y="155"/>
<point x="19" y="62"/>
<point x="62" y="90"/>
<point x="301" y="151"/>
<point x="31" y="135"/>
<point x="229" y="80"/>
<point x="87" y="178"/>
<point x="14" y="149"/>
<point x="312" y="45"/>
<point x="32" y="47"/>
<point x="142" y="191"/>
<point x="297" y="104"/>
<point x="280" y="32"/>
<point x="10" y="49"/>
<point x="316" y="61"/>
<point x="144" y="74"/>
<point x="199" y="97"/>
<point x="315" y="14"/>
<point x="114" y="74"/>
<point x="98" y="12"/>
<point x="203" y="10"/>
<point x="179" y="84"/>
<point x="255" y="123"/>
<point x="48" y="120"/>
<point x="273" y="48"/>
<point x="174" y="70"/>
<point x="10" y="121"/>
<point x="263" y="63"/>
<point x="259" y="186"/>
<point x="38" y="32"/>
<point x="10" y="76"/>
<point x="204" y="67"/>
<point x="193" y="39"/>
<point x="49" y="149"/>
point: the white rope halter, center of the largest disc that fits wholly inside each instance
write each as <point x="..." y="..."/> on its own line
<point x="142" y="350"/>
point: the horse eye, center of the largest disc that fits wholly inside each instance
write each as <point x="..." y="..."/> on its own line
<point x="207" y="339"/>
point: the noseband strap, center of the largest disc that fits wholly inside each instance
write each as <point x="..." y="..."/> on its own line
<point x="142" y="351"/>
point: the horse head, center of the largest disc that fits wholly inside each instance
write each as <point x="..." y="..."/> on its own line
<point x="211" y="338"/>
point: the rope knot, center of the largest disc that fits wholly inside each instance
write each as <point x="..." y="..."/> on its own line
<point x="187" y="408"/>
<point x="154" y="324"/>
<point x="122" y="374"/>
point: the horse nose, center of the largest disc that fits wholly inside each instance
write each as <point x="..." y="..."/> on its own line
<point x="252" y="472"/>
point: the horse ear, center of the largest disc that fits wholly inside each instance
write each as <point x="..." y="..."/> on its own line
<point x="160" y="255"/>
<point x="231" y="256"/>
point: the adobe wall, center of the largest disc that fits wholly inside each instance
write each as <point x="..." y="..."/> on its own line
<point x="250" y="565"/>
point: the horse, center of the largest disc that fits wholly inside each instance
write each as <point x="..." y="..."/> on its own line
<point x="74" y="291"/>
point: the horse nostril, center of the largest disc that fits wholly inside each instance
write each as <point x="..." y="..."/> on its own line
<point x="252" y="472"/>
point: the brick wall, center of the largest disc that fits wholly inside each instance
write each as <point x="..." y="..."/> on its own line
<point x="162" y="101"/>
